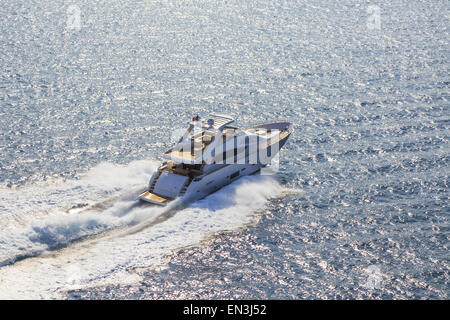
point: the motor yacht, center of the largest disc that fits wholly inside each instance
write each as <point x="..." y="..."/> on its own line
<point x="211" y="154"/>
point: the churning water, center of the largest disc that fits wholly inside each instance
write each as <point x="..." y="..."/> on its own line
<point x="90" y="93"/>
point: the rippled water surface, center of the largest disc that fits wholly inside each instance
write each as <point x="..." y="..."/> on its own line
<point x="90" y="93"/>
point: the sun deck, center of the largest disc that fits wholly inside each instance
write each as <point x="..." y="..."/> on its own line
<point x="153" y="198"/>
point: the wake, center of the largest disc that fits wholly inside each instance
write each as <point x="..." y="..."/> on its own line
<point x="98" y="234"/>
<point x="39" y="218"/>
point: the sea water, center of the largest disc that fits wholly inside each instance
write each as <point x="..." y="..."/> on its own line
<point x="91" y="92"/>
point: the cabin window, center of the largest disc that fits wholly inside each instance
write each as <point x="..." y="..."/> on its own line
<point x="234" y="175"/>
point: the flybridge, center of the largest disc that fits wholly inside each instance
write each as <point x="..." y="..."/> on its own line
<point x="219" y="121"/>
<point x="214" y="140"/>
<point x="213" y="122"/>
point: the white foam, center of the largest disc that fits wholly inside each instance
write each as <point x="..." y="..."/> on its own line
<point x="100" y="182"/>
<point x="36" y="217"/>
<point x="110" y="259"/>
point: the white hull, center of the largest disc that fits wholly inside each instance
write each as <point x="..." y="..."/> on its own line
<point x="188" y="180"/>
<point x="207" y="185"/>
